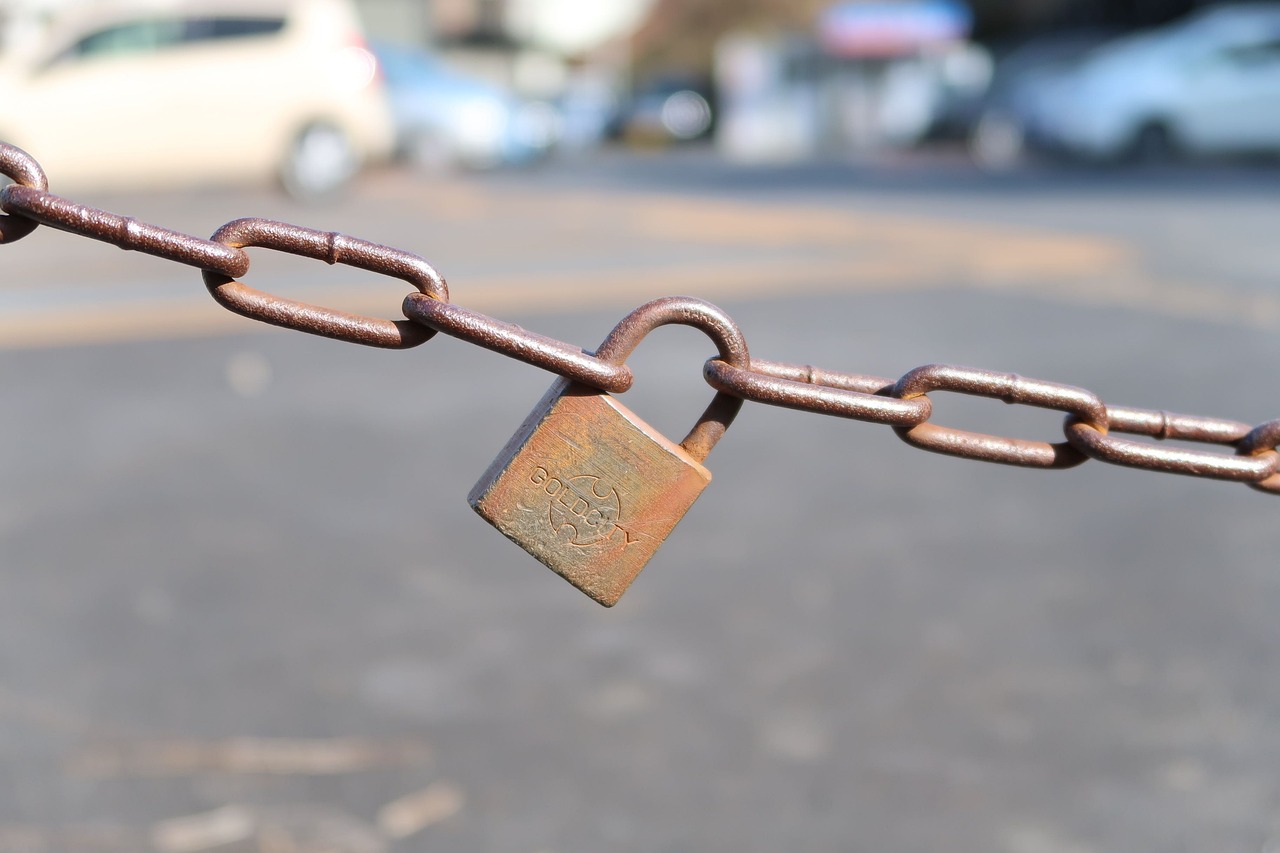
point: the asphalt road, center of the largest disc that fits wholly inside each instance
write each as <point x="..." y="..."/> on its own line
<point x="245" y="606"/>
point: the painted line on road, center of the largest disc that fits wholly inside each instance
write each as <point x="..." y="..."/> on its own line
<point x="586" y="290"/>
<point x="808" y="249"/>
<point x="558" y="292"/>
<point x="247" y="756"/>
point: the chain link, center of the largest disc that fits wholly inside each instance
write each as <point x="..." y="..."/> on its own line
<point x="1011" y="388"/>
<point x="515" y="342"/>
<point x="332" y="248"/>
<point x="123" y="231"/>
<point x="1098" y="444"/>
<point x="1092" y="427"/>
<point x="17" y="165"/>
<point x="1261" y="440"/>
<point x="810" y="389"/>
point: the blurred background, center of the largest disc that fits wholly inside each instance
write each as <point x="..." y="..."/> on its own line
<point x="320" y="89"/>
<point x="245" y="607"/>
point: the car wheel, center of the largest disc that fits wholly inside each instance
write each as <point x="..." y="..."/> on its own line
<point x="1153" y="144"/>
<point x="320" y="162"/>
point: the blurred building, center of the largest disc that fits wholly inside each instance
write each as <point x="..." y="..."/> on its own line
<point x="866" y="75"/>
<point x="397" y="20"/>
<point x="569" y="27"/>
<point x="811" y="76"/>
<point x="530" y="39"/>
<point x="574" y="53"/>
<point x="684" y="33"/>
<point x="808" y="79"/>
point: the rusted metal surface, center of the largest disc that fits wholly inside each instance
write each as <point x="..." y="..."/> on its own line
<point x="717" y="325"/>
<point x="515" y="342"/>
<point x="332" y="248"/>
<point x="1092" y="427"/>
<point x="809" y="389"/>
<point x="1012" y="389"/>
<point x="1263" y="439"/>
<point x="1171" y="460"/>
<point x="1242" y="467"/>
<point x="1170" y="425"/>
<point x="589" y="488"/>
<point x="18" y="165"/>
<point x="123" y="231"/>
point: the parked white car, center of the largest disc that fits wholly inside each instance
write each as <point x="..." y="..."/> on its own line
<point x="149" y="93"/>
<point x="1209" y="84"/>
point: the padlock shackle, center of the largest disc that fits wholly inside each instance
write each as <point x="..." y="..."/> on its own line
<point x="711" y="425"/>
<point x="717" y="325"/>
<point x="676" y="310"/>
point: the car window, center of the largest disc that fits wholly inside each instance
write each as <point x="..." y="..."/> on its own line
<point x="133" y="37"/>
<point x="216" y="29"/>
<point x="153" y="34"/>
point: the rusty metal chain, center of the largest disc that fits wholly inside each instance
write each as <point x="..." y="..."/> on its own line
<point x="1092" y="428"/>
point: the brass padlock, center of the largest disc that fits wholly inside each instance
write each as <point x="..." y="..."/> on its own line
<point x="589" y="488"/>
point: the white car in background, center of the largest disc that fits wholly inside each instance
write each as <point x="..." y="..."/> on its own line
<point x="165" y="93"/>
<point x="1209" y="84"/>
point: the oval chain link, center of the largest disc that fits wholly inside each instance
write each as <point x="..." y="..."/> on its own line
<point x="333" y="248"/>
<point x="1172" y="460"/>
<point x="1011" y="388"/>
<point x="810" y="389"/>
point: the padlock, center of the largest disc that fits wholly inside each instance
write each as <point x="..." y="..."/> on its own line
<point x="590" y="489"/>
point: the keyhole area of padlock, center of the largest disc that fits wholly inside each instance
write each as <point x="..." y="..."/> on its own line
<point x="669" y="392"/>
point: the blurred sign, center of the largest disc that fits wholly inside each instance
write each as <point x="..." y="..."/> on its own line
<point x="888" y="29"/>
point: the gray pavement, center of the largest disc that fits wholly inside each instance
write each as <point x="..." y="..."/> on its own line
<point x="246" y="608"/>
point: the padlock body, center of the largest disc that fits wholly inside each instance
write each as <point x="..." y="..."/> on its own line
<point x="589" y="489"/>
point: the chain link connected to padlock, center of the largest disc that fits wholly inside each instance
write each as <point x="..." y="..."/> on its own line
<point x="585" y="485"/>
<point x="588" y="487"/>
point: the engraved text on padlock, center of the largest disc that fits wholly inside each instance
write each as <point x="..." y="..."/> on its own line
<point x="589" y="489"/>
